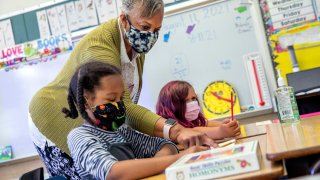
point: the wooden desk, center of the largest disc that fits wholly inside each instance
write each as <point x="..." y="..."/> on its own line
<point x="268" y="170"/>
<point x="285" y="141"/>
<point x="250" y="130"/>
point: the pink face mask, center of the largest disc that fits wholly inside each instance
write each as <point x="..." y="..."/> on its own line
<point x="192" y="111"/>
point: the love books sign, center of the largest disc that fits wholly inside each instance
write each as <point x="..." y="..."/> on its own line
<point x="35" y="51"/>
<point x="12" y="56"/>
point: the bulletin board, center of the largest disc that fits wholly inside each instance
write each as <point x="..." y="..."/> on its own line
<point x="206" y="41"/>
<point x="292" y="23"/>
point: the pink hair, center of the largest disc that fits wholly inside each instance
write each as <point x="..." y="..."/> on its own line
<point x="172" y="103"/>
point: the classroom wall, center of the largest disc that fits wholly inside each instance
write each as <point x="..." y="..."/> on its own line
<point x="28" y="73"/>
<point x="16" y="5"/>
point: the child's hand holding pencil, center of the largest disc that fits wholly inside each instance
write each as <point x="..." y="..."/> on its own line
<point x="229" y="128"/>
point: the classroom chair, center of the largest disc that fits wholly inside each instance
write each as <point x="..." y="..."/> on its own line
<point x="315" y="168"/>
<point x="57" y="178"/>
<point x="302" y="166"/>
<point x="36" y="174"/>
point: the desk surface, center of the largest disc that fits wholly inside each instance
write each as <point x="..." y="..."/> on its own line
<point x="250" y="130"/>
<point x="268" y="170"/>
<point x="293" y="140"/>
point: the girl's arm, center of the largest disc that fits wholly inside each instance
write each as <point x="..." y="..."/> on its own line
<point x="226" y="129"/>
<point x="212" y="132"/>
<point x="145" y="146"/>
<point x="167" y="149"/>
<point x="91" y="157"/>
<point x="213" y="123"/>
<point x="141" y="168"/>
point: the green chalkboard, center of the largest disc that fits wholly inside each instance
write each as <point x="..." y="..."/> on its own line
<point x="31" y="24"/>
<point x="19" y="29"/>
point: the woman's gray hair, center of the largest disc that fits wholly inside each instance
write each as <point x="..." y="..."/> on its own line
<point x="147" y="7"/>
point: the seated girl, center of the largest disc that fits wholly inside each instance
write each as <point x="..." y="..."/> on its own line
<point x="178" y="100"/>
<point x="104" y="147"/>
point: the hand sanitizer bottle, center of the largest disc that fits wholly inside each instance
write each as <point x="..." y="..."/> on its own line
<point x="288" y="111"/>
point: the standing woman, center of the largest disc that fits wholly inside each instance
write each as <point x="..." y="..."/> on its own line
<point x="121" y="42"/>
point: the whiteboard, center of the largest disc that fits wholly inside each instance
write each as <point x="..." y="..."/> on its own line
<point x="207" y="42"/>
<point x="17" y="89"/>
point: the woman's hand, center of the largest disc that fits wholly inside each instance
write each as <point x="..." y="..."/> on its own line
<point x="188" y="137"/>
<point x="229" y="128"/>
<point x="194" y="149"/>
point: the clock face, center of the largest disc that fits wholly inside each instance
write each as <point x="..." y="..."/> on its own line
<point x="217" y="98"/>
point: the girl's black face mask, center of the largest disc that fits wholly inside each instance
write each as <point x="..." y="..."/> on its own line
<point x="110" y="116"/>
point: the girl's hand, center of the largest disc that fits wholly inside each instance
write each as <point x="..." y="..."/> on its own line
<point x="229" y="128"/>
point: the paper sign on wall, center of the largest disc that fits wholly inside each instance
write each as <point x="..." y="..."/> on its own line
<point x="71" y="16"/>
<point x="2" y="41"/>
<point x="6" y="28"/>
<point x="5" y="153"/>
<point x="54" y="44"/>
<point x="119" y="6"/>
<point x="106" y="9"/>
<point x="53" y="21"/>
<point x="14" y="52"/>
<point x="81" y="13"/>
<point x="30" y="53"/>
<point x="62" y="16"/>
<point x="287" y="13"/>
<point x="43" y="24"/>
<point x="31" y="49"/>
<point x="92" y="19"/>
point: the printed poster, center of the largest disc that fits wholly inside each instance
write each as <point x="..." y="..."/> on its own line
<point x="2" y="40"/>
<point x="106" y="9"/>
<point x="6" y="29"/>
<point x="62" y="16"/>
<point x="43" y="24"/>
<point x="53" y="21"/>
<point x="31" y="50"/>
<point x="92" y="19"/>
<point x="35" y="51"/>
<point x="11" y="56"/>
<point x="71" y="16"/>
<point x="81" y="13"/>
<point x="54" y="44"/>
<point x="5" y="153"/>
